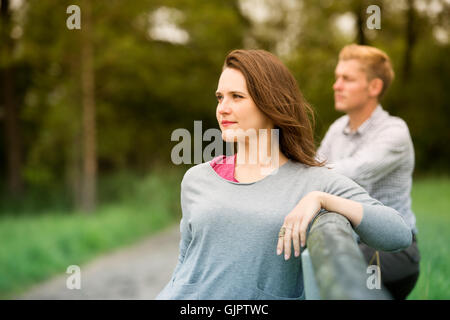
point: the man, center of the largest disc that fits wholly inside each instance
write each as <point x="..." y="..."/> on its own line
<point x="375" y="150"/>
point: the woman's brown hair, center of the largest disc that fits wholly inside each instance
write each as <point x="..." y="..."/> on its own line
<point x="276" y="93"/>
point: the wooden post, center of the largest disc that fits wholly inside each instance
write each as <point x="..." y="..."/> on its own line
<point x="339" y="266"/>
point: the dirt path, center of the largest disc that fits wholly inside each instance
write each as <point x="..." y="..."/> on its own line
<point x="139" y="271"/>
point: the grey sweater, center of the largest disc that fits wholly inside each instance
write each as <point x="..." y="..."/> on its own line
<point x="229" y="232"/>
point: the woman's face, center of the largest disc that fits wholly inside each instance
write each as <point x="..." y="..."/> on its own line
<point x="235" y="105"/>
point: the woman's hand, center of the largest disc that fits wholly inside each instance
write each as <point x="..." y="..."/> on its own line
<point x="296" y="223"/>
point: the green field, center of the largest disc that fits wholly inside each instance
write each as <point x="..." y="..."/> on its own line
<point x="33" y="248"/>
<point x="431" y="204"/>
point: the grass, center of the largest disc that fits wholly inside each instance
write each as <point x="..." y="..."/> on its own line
<point x="35" y="247"/>
<point x="431" y="204"/>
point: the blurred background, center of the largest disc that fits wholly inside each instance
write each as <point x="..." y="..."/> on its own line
<point x="87" y="115"/>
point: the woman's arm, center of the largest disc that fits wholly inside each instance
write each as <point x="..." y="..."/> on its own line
<point x="378" y="226"/>
<point x="297" y="221"/>
<point x="350" y="209"/>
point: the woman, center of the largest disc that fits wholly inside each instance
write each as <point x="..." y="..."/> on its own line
<point x="238" y="219"/>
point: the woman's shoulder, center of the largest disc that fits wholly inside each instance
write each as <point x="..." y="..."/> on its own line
<point x="304" y="169"/>
<point x="197" y="171"/>
<point x="324" y="175"/>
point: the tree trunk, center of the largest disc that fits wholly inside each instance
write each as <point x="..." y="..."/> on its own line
<point x="73" y="170"/>
<point x="11" y="122"/>
<point x="361" y="22"/>
<point x="411" y="38"/>
<point x="89" y="175"/>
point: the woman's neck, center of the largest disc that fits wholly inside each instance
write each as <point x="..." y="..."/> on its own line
<point x="255" y="156"/>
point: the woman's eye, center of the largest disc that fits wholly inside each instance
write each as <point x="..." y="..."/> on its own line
<point x="237" y="96"/>
<point x="219" y="98"/>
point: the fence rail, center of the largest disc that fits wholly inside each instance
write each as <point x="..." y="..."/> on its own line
<point x="334" y="267"/>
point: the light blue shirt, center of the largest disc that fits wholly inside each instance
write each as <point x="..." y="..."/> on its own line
<point x="379" y="156"/>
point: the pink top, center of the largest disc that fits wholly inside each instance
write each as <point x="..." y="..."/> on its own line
<point x="224" y="166"/>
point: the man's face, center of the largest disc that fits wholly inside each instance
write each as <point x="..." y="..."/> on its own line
<point x="351" y="88"/>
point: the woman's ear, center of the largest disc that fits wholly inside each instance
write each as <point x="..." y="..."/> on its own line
<point x="375" y="87"/>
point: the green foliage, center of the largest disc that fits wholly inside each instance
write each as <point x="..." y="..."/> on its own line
<point x="35" y="247"/>
<point x="146" y="87"/>
<point x="430" y="204"/>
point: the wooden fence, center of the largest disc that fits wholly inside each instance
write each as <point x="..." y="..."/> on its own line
<point x="333" y="265"/>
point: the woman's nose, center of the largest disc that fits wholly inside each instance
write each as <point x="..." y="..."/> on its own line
<point x="223" y="106"/>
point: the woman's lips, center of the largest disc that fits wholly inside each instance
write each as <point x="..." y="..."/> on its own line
<point x="227" y="123"/>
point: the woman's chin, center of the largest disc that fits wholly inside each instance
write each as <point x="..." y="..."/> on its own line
<point x="229" y="135"/>
<point x="228" y="139"/>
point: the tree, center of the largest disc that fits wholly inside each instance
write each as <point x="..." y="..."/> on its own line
<point x="11" y="110"/>
<point x="411" y="38"/>
<point x="88" y="194"/>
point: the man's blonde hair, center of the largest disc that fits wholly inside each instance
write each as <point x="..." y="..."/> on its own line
<point x="376" y="63"/>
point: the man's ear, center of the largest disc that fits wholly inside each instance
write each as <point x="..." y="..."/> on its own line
<point x="375" y="87"/>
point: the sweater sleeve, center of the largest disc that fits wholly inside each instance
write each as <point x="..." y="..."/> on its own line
<point x="185" y="231"/>
<point x="381" y="227"/>
<point x="185" y="241"/>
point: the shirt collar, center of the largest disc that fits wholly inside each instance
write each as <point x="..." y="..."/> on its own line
<point x="363" y="127"/>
